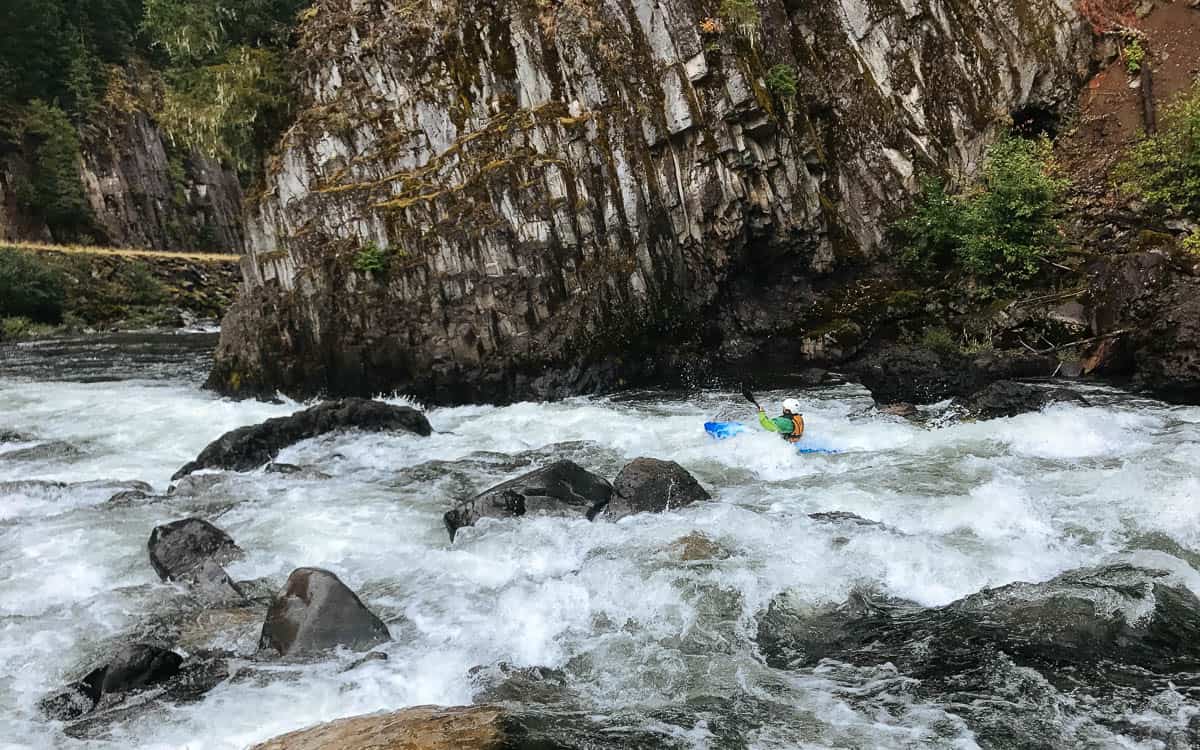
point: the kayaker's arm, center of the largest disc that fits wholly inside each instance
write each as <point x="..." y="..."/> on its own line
<point x="768" y="424"/>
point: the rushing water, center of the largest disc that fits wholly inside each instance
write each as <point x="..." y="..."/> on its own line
<point x="637" y="631"/>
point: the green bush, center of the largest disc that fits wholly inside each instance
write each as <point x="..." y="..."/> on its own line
<point x="1191" y="243"/>
<point x="782" y="81"/>
<point x="1002" y="232"/>
<point x="143" y="286"/>
<point x="1135" y="55"/>
<point x="372" y="258"/>
<point x="29" y="289"/>
<point x="1164" y="170"/>
<point x="939" y="339"/>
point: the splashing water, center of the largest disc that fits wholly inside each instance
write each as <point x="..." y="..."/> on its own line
<point x="636" y="630"/>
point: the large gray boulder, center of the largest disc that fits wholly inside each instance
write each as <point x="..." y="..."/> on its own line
<point x="316" y="612"/>
<point x="254" y="445"/>
<point x="563" y="488"/>
<point x="649" y="485"/>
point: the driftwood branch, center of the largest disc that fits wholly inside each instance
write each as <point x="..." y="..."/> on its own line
<point x="1081" y="342"/>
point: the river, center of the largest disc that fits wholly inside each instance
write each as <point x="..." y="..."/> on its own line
<point x="637" y="632"/>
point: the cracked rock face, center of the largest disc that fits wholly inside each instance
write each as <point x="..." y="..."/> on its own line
<point x="565" y="194"/>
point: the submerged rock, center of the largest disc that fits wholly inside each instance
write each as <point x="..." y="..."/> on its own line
<point x="316" y="612"/>
<point x="697" y="546"/>
<point x="648" y="485"/>
<point x="254" y="445"/>
<point x="563" y="488"/>
<point x="1005" y="398"/>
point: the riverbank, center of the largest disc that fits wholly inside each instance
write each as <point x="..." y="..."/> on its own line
<point x="51" y="291"/>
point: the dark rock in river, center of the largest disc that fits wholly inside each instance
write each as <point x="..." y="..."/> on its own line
<point x="648" y="485"/>
<point x="923" y="376"/>
<point x="1005" y="398"/>
<point x="254" y="445"/>
<point x="192" y="551"/>
<point x="563" y="488"/>
<point x="1090" y="633"/>
<point x="315" y="612"/>
<point x="133" y="667"/>
<point x="53" y="450"/>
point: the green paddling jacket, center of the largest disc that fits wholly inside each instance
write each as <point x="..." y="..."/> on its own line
<point x="790" y="428"/>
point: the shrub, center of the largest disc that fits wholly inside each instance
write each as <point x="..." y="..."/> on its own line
<point x="1011" y="224"/>
<point x="929" y="235"/>
<point x="371" y="258"/>
<point x="1001" y="232"/>
<point x="1134" y="55"/>
<point x="782" y="81"/>
<point x="1164" y="170"/>
<point x="741" y="15"/>
<point x="29" y="289"/>
<point x="939" y="339"/>
<point x="1191" y="243"/>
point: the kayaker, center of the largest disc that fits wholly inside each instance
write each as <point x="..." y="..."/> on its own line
<point x="790" y="425"/>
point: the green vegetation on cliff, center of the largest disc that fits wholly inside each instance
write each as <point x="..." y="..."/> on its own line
<point x="1164" y="170"/>
<point x="1002" y="231"/>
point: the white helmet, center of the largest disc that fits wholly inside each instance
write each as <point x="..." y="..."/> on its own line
<point x="792" y="405"/>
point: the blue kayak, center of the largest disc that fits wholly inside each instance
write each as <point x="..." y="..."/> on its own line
<point x="726" y="430"/>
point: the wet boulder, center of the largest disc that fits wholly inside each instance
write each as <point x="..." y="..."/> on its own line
<point x="1091" y="627"/>
<point x="563" y="488"/>
<point x="192" y="551"/>
<point x="478" y="727"/>
<point x="649" y="485"/>
<point x="252" y="446"/>
<point x="916" y="375"/>
<point x="316" y="612"/>
<point x="1005" y="398"/>
<point x="135" y="666"/>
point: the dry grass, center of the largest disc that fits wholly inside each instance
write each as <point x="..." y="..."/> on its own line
<point x="123" y="251"/>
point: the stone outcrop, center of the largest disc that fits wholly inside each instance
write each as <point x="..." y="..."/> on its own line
<point x="1004" y="398"/>
<point x="916" y="375"/>
<point x="564" y="488"/>
<point x="316" y="612"/>
<point x="1147" y="305"/>
<point x="650" y="485"/>
<point x="1087" y="629"/>
<point x="142" y="191"/>
<point x="254" y="445"/>
<point x="482" y="201"/>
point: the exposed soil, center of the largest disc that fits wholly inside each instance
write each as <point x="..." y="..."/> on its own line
<point x="1110" y="108"/>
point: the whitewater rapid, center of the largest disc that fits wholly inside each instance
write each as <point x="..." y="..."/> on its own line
<point x="635" y="629"/>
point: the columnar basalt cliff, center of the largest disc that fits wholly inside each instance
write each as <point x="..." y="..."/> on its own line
<point x="140" y="190"/>
<point x="491" y="200"/>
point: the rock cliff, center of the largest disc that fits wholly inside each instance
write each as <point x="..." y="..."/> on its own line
<point x="140" y="189"/>
<point x="492" y="200"/>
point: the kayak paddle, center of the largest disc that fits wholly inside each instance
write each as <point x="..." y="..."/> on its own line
<point x="750" y="396"/>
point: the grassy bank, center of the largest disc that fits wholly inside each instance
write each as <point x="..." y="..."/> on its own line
<point x="46" y="291"/>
